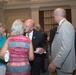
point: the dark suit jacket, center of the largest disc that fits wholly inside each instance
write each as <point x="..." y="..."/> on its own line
<point x="52" y="34"/>
<point x="38" y="40"/>
<point x="75" y="43"/>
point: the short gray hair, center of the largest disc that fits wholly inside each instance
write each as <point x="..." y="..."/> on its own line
<point x="60" y="11"/>
<point x="17" y="27"/>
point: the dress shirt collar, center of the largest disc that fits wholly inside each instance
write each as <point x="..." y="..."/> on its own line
<point x="61" y="21"/>
<point x="30" y="35"/>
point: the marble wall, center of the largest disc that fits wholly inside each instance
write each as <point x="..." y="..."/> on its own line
<point x="30" y="9"/>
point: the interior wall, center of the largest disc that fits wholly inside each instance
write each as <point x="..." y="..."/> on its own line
<point x="11" y="15"/>
<point x="14" y="11"/>
<point x="18" y="0"/>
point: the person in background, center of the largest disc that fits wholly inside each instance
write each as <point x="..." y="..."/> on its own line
<point x="6" y="33"/>
<point x="38" y="28"/>
<point x="75" y="51"/>
<point x="52" y="35"/>
<point x="75" y="41"/>
<point x="39" y="44"/>
<point x="63" y="47"/>
<point x="20" y="49"/>
<point x="2" y="41"/>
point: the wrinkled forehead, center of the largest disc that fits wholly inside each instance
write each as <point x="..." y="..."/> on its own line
<point x="29" y="23"/>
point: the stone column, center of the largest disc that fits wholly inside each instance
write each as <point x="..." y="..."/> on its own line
<point x="35" y="14"/>
<point x="73" y="12"/>
<point x="2" y="3"/>
<point x="1" y="13"/>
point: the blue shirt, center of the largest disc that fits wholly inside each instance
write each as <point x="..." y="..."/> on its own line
<point x="2" y="41"/>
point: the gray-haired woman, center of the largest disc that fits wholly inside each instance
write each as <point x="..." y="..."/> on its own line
<point x="20" y="49"/>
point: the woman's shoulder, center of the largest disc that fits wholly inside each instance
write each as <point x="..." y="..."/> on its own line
<point x="26" y="38"/>
<point x="21" y="38"/>
<point x="4" y="37"/>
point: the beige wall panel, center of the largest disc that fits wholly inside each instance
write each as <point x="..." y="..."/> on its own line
<point x="18" y="0"/>
<point x="11" y="15"/>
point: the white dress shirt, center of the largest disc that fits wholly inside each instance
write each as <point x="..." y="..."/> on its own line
<point x="61" y="21"/>
<point x="30" y="35"/>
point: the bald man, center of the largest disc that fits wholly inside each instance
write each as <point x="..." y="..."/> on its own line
<point x="62" y="49"/>
<point x="38" y="27"/>
<point x="39" y="44"/>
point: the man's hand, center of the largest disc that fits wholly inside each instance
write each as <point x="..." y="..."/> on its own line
<point x="52" y="67"/>
<point x="40" y="50"/>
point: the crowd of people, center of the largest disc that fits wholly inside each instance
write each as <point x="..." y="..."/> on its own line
<point x="27" y="47"/>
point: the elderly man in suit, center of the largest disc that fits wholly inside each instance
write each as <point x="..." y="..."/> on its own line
<point x="39" y="44"/>
<point x="63" y="50"/>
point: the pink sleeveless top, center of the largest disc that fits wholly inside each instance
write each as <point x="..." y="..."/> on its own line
<point x="18" y="47"/>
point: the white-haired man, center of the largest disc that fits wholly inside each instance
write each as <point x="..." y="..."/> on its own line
<point x="63" y="52"/>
